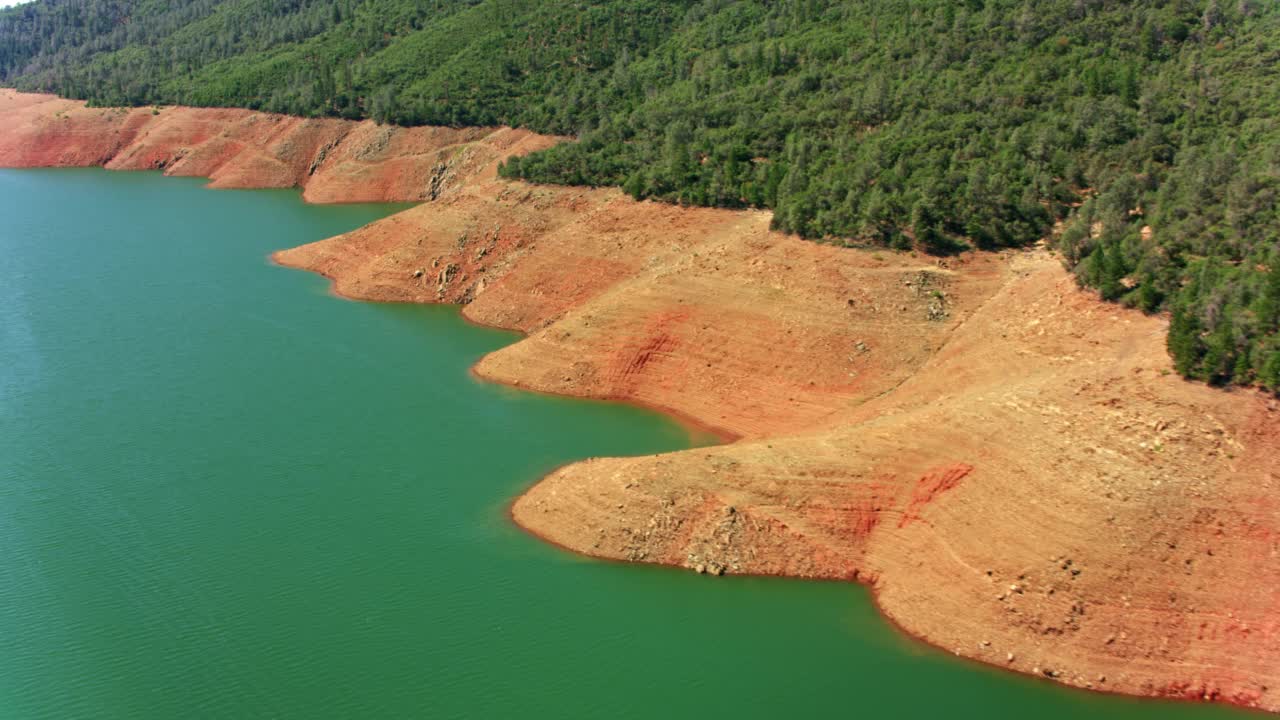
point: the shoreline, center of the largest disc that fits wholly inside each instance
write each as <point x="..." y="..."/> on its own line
<point x="873" y="593"/>
<point x="691" y="425"/>
<point x="723" y="437"/>
<point x="907" y="465"/>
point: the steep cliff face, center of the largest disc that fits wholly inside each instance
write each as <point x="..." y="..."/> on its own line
<point x="1010" y="463"/>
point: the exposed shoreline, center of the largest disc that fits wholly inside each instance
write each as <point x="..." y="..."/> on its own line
<point x="959" y="436"/>
<point x="724" y="437"/>
<point x="689" y="423"/>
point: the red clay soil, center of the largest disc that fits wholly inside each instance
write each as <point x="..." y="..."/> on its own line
<point x="332" y="160"/>
<point x="1011" y="464"/>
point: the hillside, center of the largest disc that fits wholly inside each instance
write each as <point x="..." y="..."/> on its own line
<point x="1147" y="129"/>
<point x="1008" y="462"/>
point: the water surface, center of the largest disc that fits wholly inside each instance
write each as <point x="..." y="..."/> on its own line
<point x="226" y="494"/>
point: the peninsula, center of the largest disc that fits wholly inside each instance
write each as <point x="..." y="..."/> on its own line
<point x="1012" y="464"/>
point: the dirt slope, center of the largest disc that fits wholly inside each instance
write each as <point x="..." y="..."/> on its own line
<point x="1041" y="494"/>
<point x="332" y="160"/>
<point x="1010" y="463"/>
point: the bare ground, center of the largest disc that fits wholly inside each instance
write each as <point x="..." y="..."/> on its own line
<point x="1011" y="464"/>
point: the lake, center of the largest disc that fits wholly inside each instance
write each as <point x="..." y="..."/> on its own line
<point x="225" y="493"/>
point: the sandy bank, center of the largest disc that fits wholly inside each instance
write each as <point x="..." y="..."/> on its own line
<point x="1010" y="463"/>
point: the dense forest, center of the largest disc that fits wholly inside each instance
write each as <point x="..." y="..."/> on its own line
<point x="1144" y="137"/>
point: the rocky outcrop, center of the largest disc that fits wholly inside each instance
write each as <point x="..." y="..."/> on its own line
<point x="1011" y="464"/>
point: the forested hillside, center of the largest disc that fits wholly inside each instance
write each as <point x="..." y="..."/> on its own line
<point x="1143" y="136"/>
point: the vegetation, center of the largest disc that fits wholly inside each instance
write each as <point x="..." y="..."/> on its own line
<point x="1146" y="132"/>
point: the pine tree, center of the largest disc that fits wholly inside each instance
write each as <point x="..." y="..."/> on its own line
<point x="1184" y="341"/>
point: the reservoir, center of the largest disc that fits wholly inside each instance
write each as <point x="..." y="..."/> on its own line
<point x="225" y="493"/>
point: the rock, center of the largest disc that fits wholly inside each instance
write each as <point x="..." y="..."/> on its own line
<point x="701" y="569"/>
<point x="419" y="273"/>
<point x="436" y="183"/>
<point x="319" y="158"/>
<point x="446" y="275"/>
<point x="1009" y="657"/>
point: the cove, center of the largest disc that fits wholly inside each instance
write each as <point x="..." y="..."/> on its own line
<point x="225" y="493"/>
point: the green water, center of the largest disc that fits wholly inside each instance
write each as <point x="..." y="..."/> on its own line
<point x="226" y="494"/>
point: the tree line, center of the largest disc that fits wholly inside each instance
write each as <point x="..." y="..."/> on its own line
<point x="1141" y="136"/>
